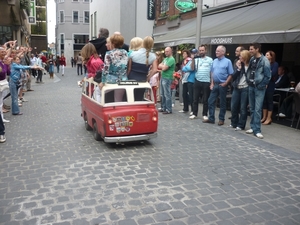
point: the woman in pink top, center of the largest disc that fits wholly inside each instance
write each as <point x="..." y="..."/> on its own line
<point x="94" y="64"/>
<point x="91" y="59"/>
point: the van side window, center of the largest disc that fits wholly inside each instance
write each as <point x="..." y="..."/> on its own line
<point x="97" y="94"/>
<point x="118" y="95"/>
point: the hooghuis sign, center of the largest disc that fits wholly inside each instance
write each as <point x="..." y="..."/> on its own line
<point x="151" y="10"/>
<point x="215" y="41"/>
<point x="185" y="5"/>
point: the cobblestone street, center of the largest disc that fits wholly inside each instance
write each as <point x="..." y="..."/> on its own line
<point x="52" y="171"/>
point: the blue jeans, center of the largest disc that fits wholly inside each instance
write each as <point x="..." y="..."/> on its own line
<point x="221" y="92"/>
<point x="239" y="102"/>
<point x="166" y="98"/>
<point x="14" y="98"/>
<point x="256" y="99"/>
<point x="173" y="93"/>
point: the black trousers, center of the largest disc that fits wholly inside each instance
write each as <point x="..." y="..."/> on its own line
<point x="2" y="128"/>
<point x="39" y="76"/>
<point x="201" y="88"/>
<point x="79" y="66"/>
<point x="188" y="96"/>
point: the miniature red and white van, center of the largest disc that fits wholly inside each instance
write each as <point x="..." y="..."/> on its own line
<point x="119" y="112"/>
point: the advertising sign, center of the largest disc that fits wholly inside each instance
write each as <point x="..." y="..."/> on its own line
<point x="185" y="5"/>
<point x="32" y="15"/>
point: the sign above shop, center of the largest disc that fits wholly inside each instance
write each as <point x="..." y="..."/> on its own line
<point x="151" y="10"/>
<point x="185" y="5"/>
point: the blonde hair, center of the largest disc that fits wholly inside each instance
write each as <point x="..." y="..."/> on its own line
<point x="160" y="57"/>
<point x="148" y="44"/>
<point x="136" y="43"/>
<point x="87" y="51"/>
<point x="245" y="54"/>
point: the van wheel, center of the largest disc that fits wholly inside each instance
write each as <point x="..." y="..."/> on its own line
<point x="96" y="134"/>
<point x="86" y="124"/>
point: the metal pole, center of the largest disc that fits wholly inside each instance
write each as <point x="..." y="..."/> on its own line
<point x="199" y="22"/>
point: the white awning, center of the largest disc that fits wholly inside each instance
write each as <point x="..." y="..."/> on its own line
<point x="269" y="22"/>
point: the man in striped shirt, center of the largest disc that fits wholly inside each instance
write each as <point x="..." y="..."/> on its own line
<point x="202" y="65"/>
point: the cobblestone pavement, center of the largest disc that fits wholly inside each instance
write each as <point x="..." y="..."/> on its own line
<point x="52" y="171"/>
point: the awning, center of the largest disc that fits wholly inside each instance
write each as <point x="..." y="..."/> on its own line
<point x="269" y="22"/>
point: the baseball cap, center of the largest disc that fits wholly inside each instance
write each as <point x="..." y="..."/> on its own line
<point x="194" y="51"/>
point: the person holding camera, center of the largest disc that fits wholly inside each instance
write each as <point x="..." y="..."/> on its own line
<point x="258" y="80"/>
<point x="239" y="100"/>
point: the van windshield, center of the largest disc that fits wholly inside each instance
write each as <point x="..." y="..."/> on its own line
<point x="143" y="94"/>
<point x="117" y="95"/>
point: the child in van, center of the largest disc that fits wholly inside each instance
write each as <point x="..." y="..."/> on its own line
<point x="135" y="44"/>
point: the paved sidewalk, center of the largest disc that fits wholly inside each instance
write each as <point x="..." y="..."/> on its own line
<point x="279" y="135"/>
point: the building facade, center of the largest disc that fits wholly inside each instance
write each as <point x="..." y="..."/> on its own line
<point x="39" y="41"/>
<point x="232" y="23"/>
<point x="72" y="27"/>
<point x="13" y="22"/>
<point x="126" y="16"/>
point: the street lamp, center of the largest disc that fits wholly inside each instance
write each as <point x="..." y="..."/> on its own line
<point x="198" y="23"/>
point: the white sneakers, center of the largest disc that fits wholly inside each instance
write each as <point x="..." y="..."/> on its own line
<point x="173" y="105"/>
<point x="191" y="113"/>
<point x="259" y="135"/>
<point x="193" y="117"/>
<point x="205" y="118"/>
<point x="5" y="121"/>
<point x="237" y="129"/>
<point x="250" y="131"/>
<point x="282" y="115"/>
<point x="2" y="139"/>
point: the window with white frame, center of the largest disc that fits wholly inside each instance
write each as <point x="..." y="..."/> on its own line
<point x="62" y="38"/>
<point x="61" y="16"/>
<point x="86" y="1"/>
<point x="86" y="17"/>
<point x="75" y="17"/>
<point x="164" y="6"/>
<point x="81" y="38"/>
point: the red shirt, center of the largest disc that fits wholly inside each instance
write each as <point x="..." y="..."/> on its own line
<point x="44" y="59"/>
<point x="62" y="61"/>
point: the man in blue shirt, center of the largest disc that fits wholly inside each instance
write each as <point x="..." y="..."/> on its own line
<point x="221" y="72"/>
<point x="202" y="65"/>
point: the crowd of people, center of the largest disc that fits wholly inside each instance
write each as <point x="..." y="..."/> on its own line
<point x="17" y="65"/>
<point x="252" y="79"/>
<point x="116" y="61"/>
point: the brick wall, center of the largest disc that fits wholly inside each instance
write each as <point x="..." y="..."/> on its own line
<point x="161" y="20"/>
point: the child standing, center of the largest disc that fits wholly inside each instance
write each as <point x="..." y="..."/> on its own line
<point x="154" y="82"/>
<point x="174" y="84"/>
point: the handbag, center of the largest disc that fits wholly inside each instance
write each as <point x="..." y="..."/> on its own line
<point x="3" y="85"/>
